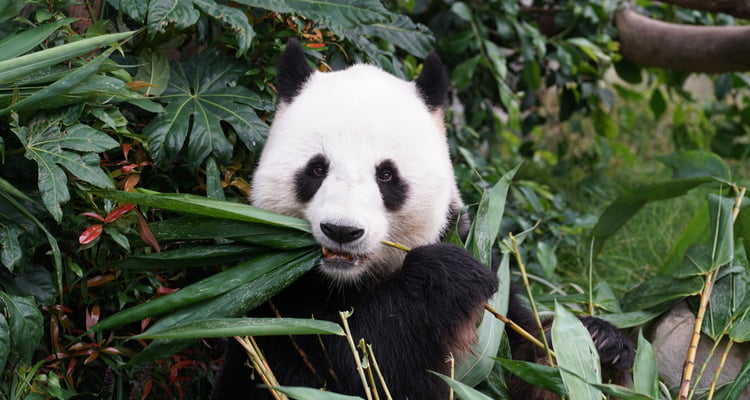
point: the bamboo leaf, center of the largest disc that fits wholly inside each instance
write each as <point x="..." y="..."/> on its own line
<point x="465" y="392"/>
<point x="576" y="356"/>
<point x="234" y="303"/>
<point x="660" y="290"/>
<point x="203" y="206"/>
<point x="539" y="375"/>
<point x="15" y="68"/>
<point x="19" y="43"/>
<point x="205" y="289"/>
<point x="480" y="361"/>
<point x="227" y="327"/>
<point x="738" y="385"/>
<point x="486" y="225"/>
<point x="190" y="256"/>
<point x="722" y="232"/>
<point x="691" y="164"/>
<point x="303" y="393"/>
<point x="620" y="392"/>
<point x="645" y="372"/>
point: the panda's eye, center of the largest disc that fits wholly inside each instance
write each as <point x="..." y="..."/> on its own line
<point x="385" y="175"/>
<point x="319" y="170"/>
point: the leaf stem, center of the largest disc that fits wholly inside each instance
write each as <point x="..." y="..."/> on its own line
<point x="527" y="285"/>
<point x="344" y="320"/>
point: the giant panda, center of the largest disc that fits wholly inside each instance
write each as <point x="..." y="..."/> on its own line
<point x="363" y="157"/>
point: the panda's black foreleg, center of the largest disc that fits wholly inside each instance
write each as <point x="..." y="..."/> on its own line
<point x="419" y="317"/>
<point x="616" y="352"/>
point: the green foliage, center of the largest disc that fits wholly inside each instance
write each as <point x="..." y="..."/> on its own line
<point x="176" y="96"/>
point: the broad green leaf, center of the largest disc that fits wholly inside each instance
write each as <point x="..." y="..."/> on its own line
<point x="480" y="361"/>
<point x="153" y="68"/>
<point x="645" y="372"/>
<point x="10" y="248"/>
<point x="576" y="356"/>
<point x="15" y="68"/>
<point x="740" y="332"/>
<point x="696" y="231"/>
<point x="726" y="299"/>
<point x="10" y="9"/>
<point x="228" y="327"/>
<point x="605" y="298"/>
<point x="213" y="180"/>
<point x="591" y="50"/>
<point x="722" y="229"/>
<point x="693" y="164"/>
<point x="633" y="318"/>
<point x="4" y="341"/>
<point x="234" y="303"/>
<point x="621" y="392"/>
<point x="205" y="289"/>
<point x="19" y="43"/>
<point x="203" y="93"/>
<point x="486" y="225"/>
<point x="164" y="13"/>
<point x="465" y="392"/>
<point x="25" y="323"/>
<point x="337" y="14"/>
<point x="35" y="281"/>
<point x="304" y="393"/>
<point x="234" y="18"/>
<point x="402" y="32"/>
<point x="45" y="143"/>
<point x="624" y="207"/>
<point x="542" y="376"/>
<point x="190" y="256"/>
<point x="697" y="262"/>
<point x="660" y="290"/>
<point x="203" y="206"/>
<point x="657" y="103"/>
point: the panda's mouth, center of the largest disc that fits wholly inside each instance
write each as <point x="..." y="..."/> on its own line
<point x="338" y="257"/>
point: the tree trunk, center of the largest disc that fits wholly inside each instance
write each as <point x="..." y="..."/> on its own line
<point x="710" y="49"/>
<point x="735" y="8"/>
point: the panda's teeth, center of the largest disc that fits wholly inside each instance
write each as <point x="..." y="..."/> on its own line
<point x="338" y="255"/>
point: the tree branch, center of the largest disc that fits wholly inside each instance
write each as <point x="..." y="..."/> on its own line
<point x="711" y="49"/>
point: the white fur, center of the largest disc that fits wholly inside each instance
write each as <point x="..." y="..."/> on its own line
<point x="357" y="118"/>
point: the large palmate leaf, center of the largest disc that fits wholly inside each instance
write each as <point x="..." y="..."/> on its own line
<point x="202" y="94"/>
<point x="402" y="32"/>
<point x="74" y="148"/>
<point x="158" y="15"/>
<point x="337" y="14"/>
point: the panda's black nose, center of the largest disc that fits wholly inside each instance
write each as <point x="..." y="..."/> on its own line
<point x="341" y="233"/>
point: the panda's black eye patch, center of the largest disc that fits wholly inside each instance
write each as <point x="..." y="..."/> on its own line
<point x="309" y="178"/>
<point x="393" y="189"/>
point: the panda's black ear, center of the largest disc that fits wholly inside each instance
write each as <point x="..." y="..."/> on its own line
<point x="292" y="71"/>
<point x="433" y="82"/>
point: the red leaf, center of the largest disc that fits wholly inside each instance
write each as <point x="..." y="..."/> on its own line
<point x="315" y="45"/>
<point x="93" y="215"/>
<point x="127" y="168"/>
<point x="146" y="233"/>
<point x="126" y="149"/>
<point x="91" y="233"/>
<point x="130" y="182"/>
<point x="146" y="389"/>
<point x="163" y="291"/>
<point x="118" y="212"/>
<point x="92" y="317"/>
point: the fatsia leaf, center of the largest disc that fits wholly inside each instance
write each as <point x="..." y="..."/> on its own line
<point x="154" y="70"/>
<point x="10" y="248"/>
<point x="50" y="147"/>
<point x="402" y="32"/>
<point x="24" y="323"/>
<point x="202" y="94"/>
<point x="234" y="18"/>
<point x="4" y="341"/>
<point x="338" y="14"/>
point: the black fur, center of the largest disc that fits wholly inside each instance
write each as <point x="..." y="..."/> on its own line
<point x="393" y="189"/>
<point x="411" y="319"/>
<point x="293" y="71"/>
<point x="433" y="82"/>
<point x="308" y="179"/>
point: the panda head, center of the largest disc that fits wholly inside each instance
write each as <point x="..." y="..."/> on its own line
<point x="363" y="156"/>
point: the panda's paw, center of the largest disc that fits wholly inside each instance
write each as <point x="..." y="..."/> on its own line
<point x="616" y="351"/>
<point x="451" y="269"/>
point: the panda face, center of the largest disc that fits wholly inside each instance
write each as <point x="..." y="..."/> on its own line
<point x="362" y="156"/>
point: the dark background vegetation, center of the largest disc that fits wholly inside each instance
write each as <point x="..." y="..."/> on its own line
<point x="179" y="97"/>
